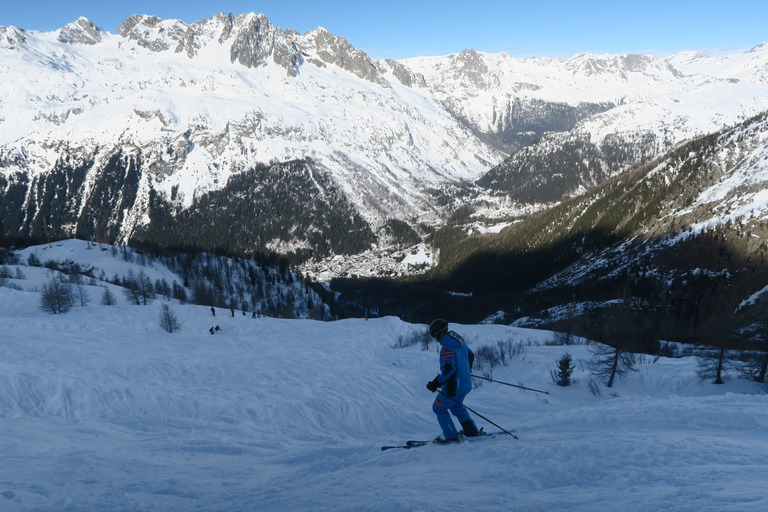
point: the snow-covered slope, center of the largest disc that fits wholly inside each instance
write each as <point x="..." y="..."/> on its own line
<point x="102" y="410"/>
<point x="249" y="287"/>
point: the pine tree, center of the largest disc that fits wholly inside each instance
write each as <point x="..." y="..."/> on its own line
<point x="179" y="293"/>
<point x="562" y="374"/>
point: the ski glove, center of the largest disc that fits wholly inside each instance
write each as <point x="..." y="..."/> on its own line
<point x="433" y="385"/>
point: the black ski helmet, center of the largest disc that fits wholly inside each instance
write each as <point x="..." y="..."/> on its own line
<point x="437" y="327"/>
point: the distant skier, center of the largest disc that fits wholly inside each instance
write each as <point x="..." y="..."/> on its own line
<point x="455" y="377"/>
<point x="213" y="311"/>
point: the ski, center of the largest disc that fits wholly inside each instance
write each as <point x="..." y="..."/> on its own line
<point x="408" y="445"/>
<point x="415" y="444"/>
<point x="485" y="436"/>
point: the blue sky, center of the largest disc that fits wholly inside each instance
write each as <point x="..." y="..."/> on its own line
<point x="399" y="29"/>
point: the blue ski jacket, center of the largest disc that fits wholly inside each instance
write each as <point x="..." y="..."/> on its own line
<point x="455" y="366"/>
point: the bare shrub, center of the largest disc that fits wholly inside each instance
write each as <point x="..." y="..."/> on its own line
<point x="594" y="386"/>
<point x="413" y="338"/>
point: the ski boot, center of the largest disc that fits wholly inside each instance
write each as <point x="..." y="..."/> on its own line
<point x="470" y="430"/>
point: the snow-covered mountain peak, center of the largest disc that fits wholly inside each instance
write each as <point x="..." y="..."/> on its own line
<point x="335" y="50"/>
<point x="747" y="66"/>
<point x="471" y="68"/>
<point x="152" y="32"/>
<point x="11" y="37"/>
<point x="626" y="67"/>
<point x="82" y="31"/>
<point x="255" y="40"/>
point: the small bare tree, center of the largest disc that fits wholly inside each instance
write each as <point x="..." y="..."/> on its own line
<point x="82" y="294"/>
<point x="753" y="359"/>
<point x="54" y="297"/>
<point x="168" y="320"/>
<point x="711" y="364"/>
<point x="138" y="289"/>
<point x="609" y="362"/>
<point x="755" y="365"/>
<point x="108" y="298"/>
<point x="564" y="338"/>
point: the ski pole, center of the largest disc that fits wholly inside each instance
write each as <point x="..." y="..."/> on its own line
<point x="480" y="415"/>
<point x="508" y="384"/>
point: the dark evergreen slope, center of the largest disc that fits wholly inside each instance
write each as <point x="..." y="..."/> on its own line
<point x="562" y="164"/>
<point x="60" y="204"/>
<point x="290" y="208"/>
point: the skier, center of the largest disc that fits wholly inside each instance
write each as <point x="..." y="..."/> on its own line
<point x="455" y="377"/>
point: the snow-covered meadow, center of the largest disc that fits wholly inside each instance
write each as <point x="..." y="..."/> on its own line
<point x="102" y="410"/>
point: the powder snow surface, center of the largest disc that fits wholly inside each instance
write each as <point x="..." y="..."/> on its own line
<point x="102" y="410"/>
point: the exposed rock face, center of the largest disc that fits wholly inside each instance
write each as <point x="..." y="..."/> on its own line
<point x="152" y="32"/>
<point x="405" y="75"/>
<point x="253" y="41"/>
<point x="11" y="37"/>
<point x="337" y="51"/>
<point x="256" y="40"/>
<point x="83" y="31"/>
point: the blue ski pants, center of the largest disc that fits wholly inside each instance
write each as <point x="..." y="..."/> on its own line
<point x="442" y="406"/>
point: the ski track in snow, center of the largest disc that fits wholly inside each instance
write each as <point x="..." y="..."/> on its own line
<point x="102" y="410"/>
